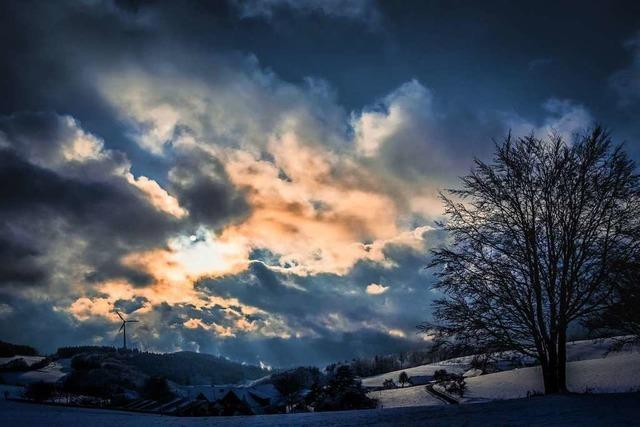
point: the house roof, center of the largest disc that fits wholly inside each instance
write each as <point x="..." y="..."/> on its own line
<point x="256" y="397"/>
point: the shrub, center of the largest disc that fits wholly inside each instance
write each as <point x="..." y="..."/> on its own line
<point x="343" y="392"/>
<point x="40" y="391"/>
<point x="389" y="384"/>
<point x="85" y="362"/>
<point x="101" y="375"/>
<point x="480" y="362"/>
<point x="157" y="388"/>
<point x="456" y="386"/>
<point x="83" y="382"/>
<point x="289" y="385"/>
<point x="441" y="375"/>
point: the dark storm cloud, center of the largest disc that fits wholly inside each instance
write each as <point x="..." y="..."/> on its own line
<point x="202" y="186"/>
<point x="38" y="192"/>
<point x="130" y="305"/>
<point x="70" y="39"/>
<point x="41" y="325"/>
<point x="20" y="257"/>
<point x="46" y="200"/>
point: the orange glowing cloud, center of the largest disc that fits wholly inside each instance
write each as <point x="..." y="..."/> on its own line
<point x="218" y="329"/>
<point x="376" y="289"/>
<point x="318" y="209"/>
<point x="318" y="216"/>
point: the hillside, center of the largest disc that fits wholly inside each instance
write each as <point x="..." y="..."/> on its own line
<point x="186" y="368"/>
<point x="617" y="373"/>
<point x="457" y="365"/>
<point x="592" y="368"/>
<point x="576" y="350"/>
<point x="50" y="373"/>
<point x="189" y="368"/>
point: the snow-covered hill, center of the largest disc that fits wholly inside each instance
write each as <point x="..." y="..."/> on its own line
<point x="458" y="366"/>
<point x="29" y="360"/>
<point x="617" y="373"/>
<point x="592" y="368"/>
<point x="404" y="397"/>
<point x="51" y="373"/>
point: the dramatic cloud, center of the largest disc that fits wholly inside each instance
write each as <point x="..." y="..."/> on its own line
<point x="72" y="205"/>
<point x="285" y="149"/>
<point x="317" y="207"/>
<point x="400" y="118"/>
<point x="255" y="228"/>
<point x="238" y="178"/>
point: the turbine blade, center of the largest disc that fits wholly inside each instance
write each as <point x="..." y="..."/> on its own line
<point x="120" y="315"/>
<point x="121" y="327"/>
<point x="133" y="321"/>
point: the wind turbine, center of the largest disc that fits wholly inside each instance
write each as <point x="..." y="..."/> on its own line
<point x="124" y="328"/>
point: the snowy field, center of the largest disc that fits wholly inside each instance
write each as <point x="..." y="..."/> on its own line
<point x="29" y="360"/>
<point x="617" y="373"/>
<point x="576" y="351"/>
<point x="591" y="369"/>
<point x="549" y="411"/>
<point x="404" y="397"/>
<point x="51" y="373"/>
<point x="457" y="366"/>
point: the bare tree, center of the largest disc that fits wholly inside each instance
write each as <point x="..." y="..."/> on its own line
<point x="403" y="378"/>
<point x="533" y="238"/>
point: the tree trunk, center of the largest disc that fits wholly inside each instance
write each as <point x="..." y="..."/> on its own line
<point x="550" y="377"/>
<point x="562" y="360"/>
<point x="554" y="370"/>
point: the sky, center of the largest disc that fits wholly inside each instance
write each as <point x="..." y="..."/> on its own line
<point x="259" y="179"/>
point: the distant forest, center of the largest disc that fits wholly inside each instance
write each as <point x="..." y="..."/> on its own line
<point x="189" y="368"/>
<point x="381" y="364"/>
<point x="186" y="368"/>
<point x="10" y="350"/>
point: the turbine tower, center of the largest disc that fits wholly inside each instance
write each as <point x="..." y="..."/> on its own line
<point x="124" y="329"/>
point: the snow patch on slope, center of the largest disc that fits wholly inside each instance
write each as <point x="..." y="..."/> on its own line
<point x="419" y="371"/>
<point x="51" y="373"/>
<point x="29" y="360"/>
<point x="404" y="397"/>
<point x="618" y="373"/>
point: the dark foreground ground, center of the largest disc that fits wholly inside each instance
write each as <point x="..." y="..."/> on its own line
<point x="574" y="410"/>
